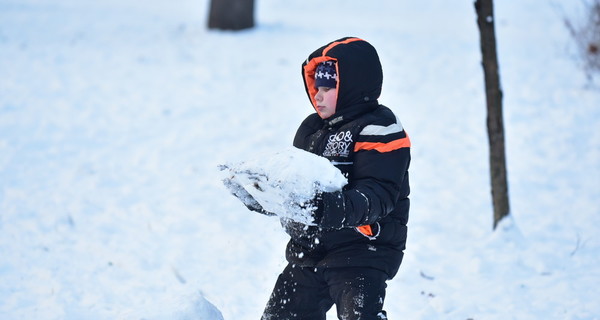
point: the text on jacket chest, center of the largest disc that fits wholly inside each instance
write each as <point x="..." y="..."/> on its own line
<point x="339" y="144"/>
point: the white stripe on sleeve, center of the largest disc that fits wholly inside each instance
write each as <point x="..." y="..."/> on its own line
<point x="374" y="130"/>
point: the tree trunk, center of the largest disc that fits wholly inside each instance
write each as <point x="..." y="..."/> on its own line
<point x="231" y="14"/>
<point x="493" y="92"/>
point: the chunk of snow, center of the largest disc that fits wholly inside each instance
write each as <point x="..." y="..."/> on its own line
<point x="285" y="182"/>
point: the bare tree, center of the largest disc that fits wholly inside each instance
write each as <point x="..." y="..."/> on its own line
<point x="586" y="34"/>
<point x="493" y="92"/>
<point x="231" y="14"/>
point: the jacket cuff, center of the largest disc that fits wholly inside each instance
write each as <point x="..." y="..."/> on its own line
<point x="333" y="210"/>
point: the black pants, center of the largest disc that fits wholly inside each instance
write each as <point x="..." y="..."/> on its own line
<point x="308" y="293"/>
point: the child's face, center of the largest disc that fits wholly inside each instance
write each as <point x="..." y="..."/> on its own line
<point x="326" y="101"/>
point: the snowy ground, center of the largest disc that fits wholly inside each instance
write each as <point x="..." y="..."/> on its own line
<point x="115" y="114"/>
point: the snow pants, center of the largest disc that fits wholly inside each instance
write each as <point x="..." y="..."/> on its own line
<point x="307" y="293"/>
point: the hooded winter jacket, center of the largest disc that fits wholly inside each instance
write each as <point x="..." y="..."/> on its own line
<point x="364" y="225"/>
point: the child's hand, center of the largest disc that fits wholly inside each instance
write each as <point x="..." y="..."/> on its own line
<point x="324" y="218"/>
<point x="239" y="192"/>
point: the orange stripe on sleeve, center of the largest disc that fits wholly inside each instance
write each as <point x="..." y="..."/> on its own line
<point x="383" y="147"/>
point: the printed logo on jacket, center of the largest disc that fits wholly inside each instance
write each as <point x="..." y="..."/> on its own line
<point x="339" y="144"/>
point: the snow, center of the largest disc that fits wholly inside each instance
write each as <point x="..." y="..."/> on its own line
<point x="115" y="114"/>
<point x="283" y="182"/>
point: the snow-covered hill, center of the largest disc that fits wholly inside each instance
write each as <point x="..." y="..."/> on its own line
<point x="115" y="114"/>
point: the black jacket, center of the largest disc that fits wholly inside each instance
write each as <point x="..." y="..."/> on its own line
<point x="366" y="142"/>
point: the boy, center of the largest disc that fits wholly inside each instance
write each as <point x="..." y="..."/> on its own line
<point x="360" y="235"/>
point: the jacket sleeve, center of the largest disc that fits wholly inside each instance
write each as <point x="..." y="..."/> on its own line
<point x="379" y="178"/>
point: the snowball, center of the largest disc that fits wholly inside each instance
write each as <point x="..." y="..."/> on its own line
<point x="286" y="181"/>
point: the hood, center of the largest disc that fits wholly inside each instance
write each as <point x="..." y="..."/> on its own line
<point x="360" y="75"/>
